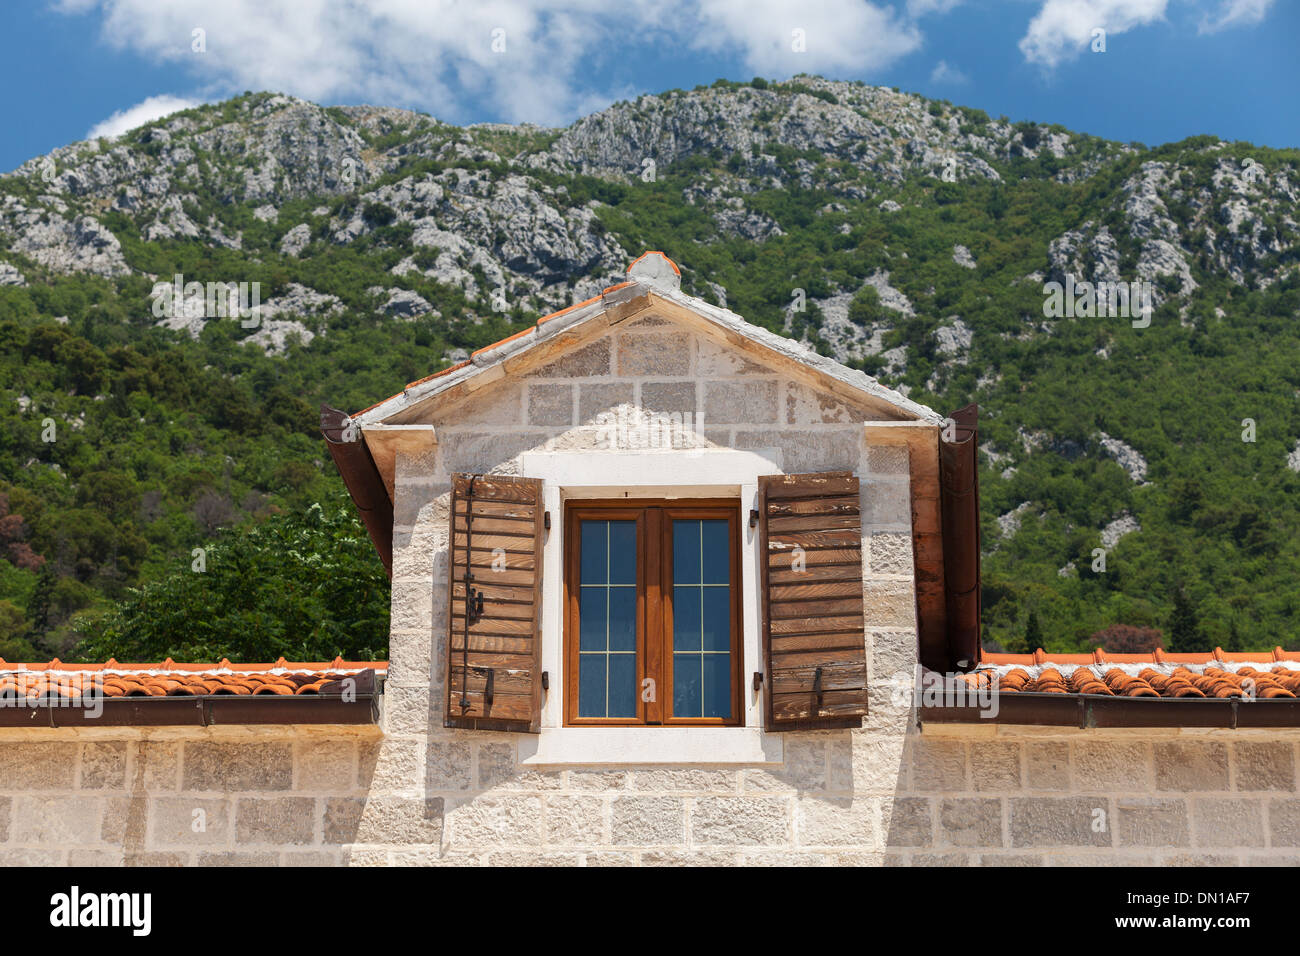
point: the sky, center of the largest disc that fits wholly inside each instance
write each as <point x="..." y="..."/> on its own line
<point x="1149" y="71"/>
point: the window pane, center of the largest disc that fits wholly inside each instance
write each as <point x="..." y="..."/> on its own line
<point x="686" y="552"/>
<point x="717" y="685"/>
<point x="594" y="549"/>
<point x="622" y="618"/>
<point x="716" y="627"/>
<point x="622" y="685"/>
<point x="607" y="665"/>
<point x="686" y="685"/>
<point x="686" y="618"/>
<point x="622" y="552"/>
<point x="591" y="618"/>
<point x="591" y="685"/>
<point x="716" y="552"/>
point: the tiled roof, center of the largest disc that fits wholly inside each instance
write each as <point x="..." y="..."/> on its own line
<point x="1256" y="674"/>
<point x="170" y="679"/>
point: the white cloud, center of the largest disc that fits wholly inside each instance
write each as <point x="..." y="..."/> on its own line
<point x="1062" y="29"/>
<point x="921" y="8"/>
<point x="1233" y="13"/>
<point x="943" y="73"/>
<point x="837" y="36"/>
<point x="438" y="54"/>
<point x="143" y="112"/>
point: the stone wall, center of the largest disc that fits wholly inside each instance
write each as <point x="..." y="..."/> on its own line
<point x="812" y="808"/>
<point x="1041" y="796"/>
<point x="207" y="796"/>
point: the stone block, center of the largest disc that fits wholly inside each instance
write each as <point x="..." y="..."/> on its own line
<point x="1195" y="765"/>
<point x="550" y="404"/>
<point x="188" y="821"/>
<point x="103" y="765"/>
<point x="654" y="353"/>
<point x="1227" y="822"/>
<point x="970" y="822"/>
<point x="1152" y="821"/>
<point x="740" y="821"/>
<point x="234" y="767"/>
<point x="278" y="820"/>
<point x="1265" y="766"/>
<point x="596" y="398"/>
<point x="647" y="821"/>
<point x="1058" y="821"/>
<point x="742" y="402"/>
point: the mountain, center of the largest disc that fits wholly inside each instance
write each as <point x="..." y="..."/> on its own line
<point x="1130" y="462"/>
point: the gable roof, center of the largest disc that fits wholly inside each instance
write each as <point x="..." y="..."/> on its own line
<point x="653" y="285"/>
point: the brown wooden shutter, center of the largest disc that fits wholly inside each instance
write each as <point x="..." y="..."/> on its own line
<point x="813" y="636"/>
<point x="494" y="681"/>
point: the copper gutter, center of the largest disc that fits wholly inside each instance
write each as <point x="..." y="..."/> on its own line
<point x="361" y="476"/>
<point x="1094" y="710"/>
<point x="959" y="504"/>
<point x="330" y="706"/>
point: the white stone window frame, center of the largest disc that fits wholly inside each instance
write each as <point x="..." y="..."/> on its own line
<point x="681" y="473"/>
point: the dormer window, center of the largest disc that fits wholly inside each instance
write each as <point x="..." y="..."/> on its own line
<point x="652" y="613"/>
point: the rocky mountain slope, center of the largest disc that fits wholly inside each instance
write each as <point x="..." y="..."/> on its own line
<point x="909" y="237"/>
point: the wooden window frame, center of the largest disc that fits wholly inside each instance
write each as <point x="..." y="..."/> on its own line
<point x="654" y="609"/>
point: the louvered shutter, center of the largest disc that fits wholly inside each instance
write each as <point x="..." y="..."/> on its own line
<point x="813" y="635"/>
<point x="494" y="646"/>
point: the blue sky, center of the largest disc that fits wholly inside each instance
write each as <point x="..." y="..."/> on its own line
<point x="1170" y="69"/>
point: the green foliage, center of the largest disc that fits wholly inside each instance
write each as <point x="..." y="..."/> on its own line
<point x="305" y="586"/>
<point x="165" y="443"/>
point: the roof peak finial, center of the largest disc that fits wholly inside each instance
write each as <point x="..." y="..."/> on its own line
<point x="655" y="269"/>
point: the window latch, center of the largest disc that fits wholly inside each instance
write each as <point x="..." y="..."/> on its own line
<point x="474" y="605"/>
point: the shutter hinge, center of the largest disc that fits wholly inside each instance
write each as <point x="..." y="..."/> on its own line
<point x="546" y="680"/>
<point x="758" y="680"/>
<point x="817" y="685"/>
<point x="488" y="689"/>
<point x="753" y="517"/>
<point x="546" y="521"/>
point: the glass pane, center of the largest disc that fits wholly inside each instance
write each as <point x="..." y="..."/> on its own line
<point x="686" y="618"/>
<point x="591" y="685"/>
<point x="686" y="685"/>
<point x="622" y="618"/>
<point x="717" y="618"/>
<point x="717" y="554"/>
<point x="594" y="547"/>
<point x="622" y="685"/>
<point x="686" y="552"/>
<point x="622" y="552"/>
<point x="607" y="665"/>
<point x="717" y="685"/>
<point x="591" y="618"/>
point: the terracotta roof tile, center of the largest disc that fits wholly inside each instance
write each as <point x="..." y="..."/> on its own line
<point x="1221" y="675"/>
<point x="36" y="681"/>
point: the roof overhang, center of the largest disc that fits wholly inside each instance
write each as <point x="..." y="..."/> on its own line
<point x="583" y="323"/>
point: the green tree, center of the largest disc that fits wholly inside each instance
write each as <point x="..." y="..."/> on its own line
<point x="1033" y="633"/>
<point x="1185" y="633"/>
<point x="306" y="586"/>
